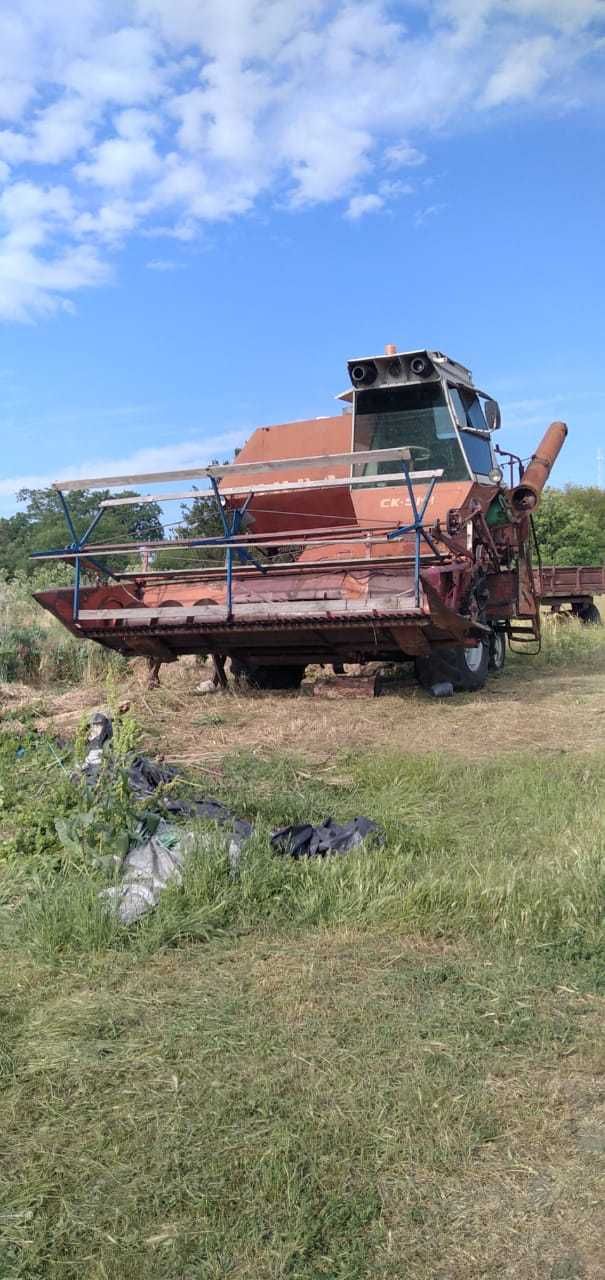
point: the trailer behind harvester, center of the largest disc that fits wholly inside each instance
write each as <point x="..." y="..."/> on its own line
<point x="385" y="533"/>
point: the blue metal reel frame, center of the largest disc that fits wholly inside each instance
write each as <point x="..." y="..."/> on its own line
<point x="230" y="530"/>
<point x="77" y="545"/>
<point x="416" y="527"/>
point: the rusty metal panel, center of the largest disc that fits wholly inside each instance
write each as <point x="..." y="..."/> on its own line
<point x="526" y="496"/>
<point x="345" y="686"/>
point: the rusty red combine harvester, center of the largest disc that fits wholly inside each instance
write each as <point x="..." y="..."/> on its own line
<point x="386" y="533"/>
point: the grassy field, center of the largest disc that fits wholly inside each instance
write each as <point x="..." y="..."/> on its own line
<point x="389" y="1064"/>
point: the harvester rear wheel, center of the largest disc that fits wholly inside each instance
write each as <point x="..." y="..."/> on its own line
<point x="465" y="668"/>
<point x="589" y="614"/>
<point x="497" y="650"/>
<point x="265" y="676"/>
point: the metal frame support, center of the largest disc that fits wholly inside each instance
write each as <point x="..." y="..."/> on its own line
<point x="231" y="529"/>
<point x="416" y="527"/>
<point x="76" y="546"/>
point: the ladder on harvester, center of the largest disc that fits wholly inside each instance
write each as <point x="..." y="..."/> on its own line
<point x="525" y="629"/>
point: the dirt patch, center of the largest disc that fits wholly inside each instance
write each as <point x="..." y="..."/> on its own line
<point x="14" y="694"/>
<point x="546" y="711"/>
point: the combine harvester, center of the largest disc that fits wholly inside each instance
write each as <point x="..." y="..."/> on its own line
<point x="385" y="534"/>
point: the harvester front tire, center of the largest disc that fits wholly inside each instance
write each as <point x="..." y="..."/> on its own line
<point x="466" y="669"/>
<point x="261" y="676"/>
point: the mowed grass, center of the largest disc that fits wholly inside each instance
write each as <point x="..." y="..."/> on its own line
<point x="338" y="1104"/>
<point x="511" y="849"/>
<point x="389" y="1064"/>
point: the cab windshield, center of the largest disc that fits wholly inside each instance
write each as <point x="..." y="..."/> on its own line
<point x="416" y="415"/>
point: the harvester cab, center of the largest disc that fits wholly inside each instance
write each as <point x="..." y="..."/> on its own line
<point x="428" y="402"/>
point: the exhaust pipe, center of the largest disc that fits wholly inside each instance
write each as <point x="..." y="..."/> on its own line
<point x="526" y="496"/>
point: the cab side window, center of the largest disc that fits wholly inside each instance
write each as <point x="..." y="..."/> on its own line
<point x="469" y="413"/>
<point x="474" y="414"/>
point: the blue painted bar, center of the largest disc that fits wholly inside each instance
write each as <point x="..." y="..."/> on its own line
<point x="93" y="524"/>
<point x="416" y="527"/>
<point x="69" y="521"/>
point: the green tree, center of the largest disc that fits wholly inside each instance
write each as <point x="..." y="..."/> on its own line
<point x="200" y="518"/>
<point x="588" y="498"/>
<point x="42" y="526"/>
<point x="570" y="524"/>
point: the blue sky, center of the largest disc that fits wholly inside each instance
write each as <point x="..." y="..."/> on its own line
<point x="201" y="219"/>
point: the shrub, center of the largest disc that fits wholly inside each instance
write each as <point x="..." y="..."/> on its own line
<point x="20" y="652"/>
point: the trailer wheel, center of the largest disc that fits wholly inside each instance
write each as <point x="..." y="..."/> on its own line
<point x="265" y="676"/>
<point x="465" y="668"/>
<point x="589" y="614"/>
<point x="497" y="651"/>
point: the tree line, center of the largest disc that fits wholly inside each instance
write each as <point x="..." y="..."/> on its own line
<point x="570" y="525"/>
<point x="41" y="526"/>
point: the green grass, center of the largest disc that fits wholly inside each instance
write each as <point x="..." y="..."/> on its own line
<point x="335" y="1104"/>
<point x="567" y="642"/>
<point x="35" y="648"/>
<point x="383" y="1065"/>
<point x="333" y="1069"/>
<point x="509" y="849"/>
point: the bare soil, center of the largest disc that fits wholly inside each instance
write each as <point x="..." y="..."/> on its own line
<point x="531" y="707"/>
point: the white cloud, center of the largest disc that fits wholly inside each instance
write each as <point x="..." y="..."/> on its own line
<point x="162" y="264"/>
<point x="34" y="280"/>
<point x="110" y="222"/>
<point x="179" y="456"/>
<point x="24" y="202"/>
<point x="360" y="205"/>
<point x="522" y="72"/>
<point x="391" y="188"/>
<point x="160" y="115"/>
<point x="119" y="162"/>
<point x="403" y="156"/>
<point x="426" y="214"/>
<point x="122" y="68"/>
<point x="33" y="285"/>
<point x="123" y="159"/>
<point x="61" y="130"/>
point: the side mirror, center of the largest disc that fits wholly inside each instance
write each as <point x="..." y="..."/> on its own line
<point x="491" y="409"/>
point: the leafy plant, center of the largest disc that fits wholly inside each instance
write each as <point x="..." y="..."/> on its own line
<point x="20" y="652"/>
<point x="570" y="524"/>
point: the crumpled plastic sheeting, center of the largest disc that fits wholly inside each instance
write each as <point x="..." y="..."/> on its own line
<point x="158" y="861"/>
<point x="150" y="867"/>
<point x="306" y="841"/>
<point x="145" y="775"/>
<point x="147" y="870"/>
<point x="99" y="733"/>
<point x="215" y="811"/>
